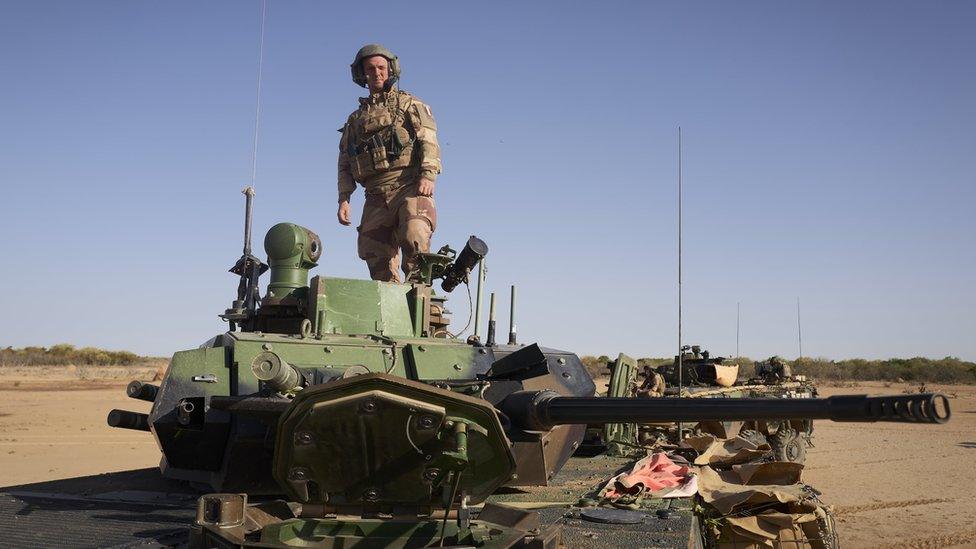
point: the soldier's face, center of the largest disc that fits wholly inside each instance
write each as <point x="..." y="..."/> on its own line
<point x="377" y="70"/>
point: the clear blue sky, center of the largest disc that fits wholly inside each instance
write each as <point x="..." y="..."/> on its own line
<point x="829" y="154"/>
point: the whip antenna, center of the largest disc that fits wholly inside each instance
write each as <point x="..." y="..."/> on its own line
<point x="680" y="350"/>
<point x="799" y="330"/>
<point x="249" y="268"/>
<point x="257" y="106"/>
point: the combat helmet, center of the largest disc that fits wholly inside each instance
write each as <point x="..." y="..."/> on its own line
<point x="369" y="50"/>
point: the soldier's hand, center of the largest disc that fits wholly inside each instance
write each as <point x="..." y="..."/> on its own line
<point x="343" y="213"/>
<point x="425" y="187"/>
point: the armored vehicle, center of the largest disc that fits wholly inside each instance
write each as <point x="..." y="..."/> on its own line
<point x="705" y="376"/>
<point x="698" y="374"/>
<point x="351" y="399"/>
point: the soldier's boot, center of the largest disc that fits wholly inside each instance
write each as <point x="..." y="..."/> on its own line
<point x="384" y="269"/>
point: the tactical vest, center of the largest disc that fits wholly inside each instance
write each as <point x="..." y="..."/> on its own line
<point x="378" y="139"/>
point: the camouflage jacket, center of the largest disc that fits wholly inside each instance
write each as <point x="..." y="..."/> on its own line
<point x="389" y="141"/>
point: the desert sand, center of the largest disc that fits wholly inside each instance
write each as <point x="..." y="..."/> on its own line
<point x="891" y="485"/>
<point x="52" y="424"/>
<point x="899" y="485"/>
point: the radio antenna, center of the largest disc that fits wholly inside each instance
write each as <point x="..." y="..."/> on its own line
<point x="249" y="268"/>
<point x="799" y="331"/>
<point x="257" y="101"/>
<point x="680" y="365"/>
<point x="737" y="329"/>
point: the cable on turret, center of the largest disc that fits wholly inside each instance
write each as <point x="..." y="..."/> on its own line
<point x="470" y="314"/>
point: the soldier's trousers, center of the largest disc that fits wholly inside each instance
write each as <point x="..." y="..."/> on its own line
<point x="393" y="221"/>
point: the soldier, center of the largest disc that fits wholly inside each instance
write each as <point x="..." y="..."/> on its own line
<point x="389" y="146"/>
<point x="653" y="385"/>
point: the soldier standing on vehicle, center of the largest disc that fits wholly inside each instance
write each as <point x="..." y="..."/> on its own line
<point x="389" y="146"/>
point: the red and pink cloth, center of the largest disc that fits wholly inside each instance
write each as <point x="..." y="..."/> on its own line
<point x="656" y="475"/>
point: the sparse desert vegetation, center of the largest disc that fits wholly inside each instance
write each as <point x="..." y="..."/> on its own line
<point x="30" y="367"/>
<point x="64" y="354"/>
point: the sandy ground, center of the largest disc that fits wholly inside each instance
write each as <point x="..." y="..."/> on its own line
<point x="891" y="485"/>
<point x="899" y="485"/>
<point x="52" y="424"/>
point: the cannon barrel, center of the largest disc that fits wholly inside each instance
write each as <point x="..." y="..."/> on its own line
<point x="542" y="410"/>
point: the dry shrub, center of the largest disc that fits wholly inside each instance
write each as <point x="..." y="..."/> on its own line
<point x="894" y="370"/>
<point x="64" y="354"/>
<point x="596" y="366"/>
